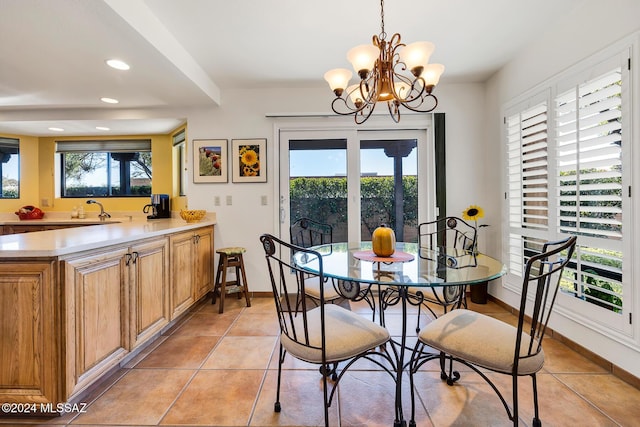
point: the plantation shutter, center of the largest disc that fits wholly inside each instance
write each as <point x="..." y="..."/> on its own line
<point x="528" y="183"/>
<point x="589" y="160"/>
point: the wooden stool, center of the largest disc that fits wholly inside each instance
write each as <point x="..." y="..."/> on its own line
<point x="230" y="257"/>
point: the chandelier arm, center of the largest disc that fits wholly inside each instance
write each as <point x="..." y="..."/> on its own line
<point x="419" y="110"/>
<point x="343" y="107"/>
<point x="364" y="115"/>
<point x="394" y="110"/>
<point x="343" y="102"/>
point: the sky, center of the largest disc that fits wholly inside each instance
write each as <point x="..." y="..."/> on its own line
<point x="333" y="162"/>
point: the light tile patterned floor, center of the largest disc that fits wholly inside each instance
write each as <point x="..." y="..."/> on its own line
<point x="221" y="369"/>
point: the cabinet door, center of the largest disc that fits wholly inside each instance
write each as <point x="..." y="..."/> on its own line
<point x="29" y="357"/>
<point x="149" y="272"/>
<point x="182" y="272"/>
<point x="97" y="313"/>
<point x="204" y="262"/>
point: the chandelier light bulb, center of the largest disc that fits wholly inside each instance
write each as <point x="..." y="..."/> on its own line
<point x="357" y="96"/>
<point x="416" y="56"/>
<point x="338" y="79"/>
<point x="363" y="58"/>
<point x="432" y="74"/>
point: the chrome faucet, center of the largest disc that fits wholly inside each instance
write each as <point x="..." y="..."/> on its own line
<point x="102" y="215"/>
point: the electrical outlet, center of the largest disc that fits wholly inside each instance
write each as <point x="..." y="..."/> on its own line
<point x="229" y="201"/>
<point x="216" y="200"/>
<point x="45" y="202"/>
<point x="263" y="200"/>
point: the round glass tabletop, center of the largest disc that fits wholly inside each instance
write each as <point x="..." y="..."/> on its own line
<point x="423" y="267"/>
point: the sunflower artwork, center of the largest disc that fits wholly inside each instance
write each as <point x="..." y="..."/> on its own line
<point x="249" y="160"/>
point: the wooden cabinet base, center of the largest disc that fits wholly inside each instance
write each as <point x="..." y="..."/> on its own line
<point x="67" y="322"/>
<point x="29" y="362"/>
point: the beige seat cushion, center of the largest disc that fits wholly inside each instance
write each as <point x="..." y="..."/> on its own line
<point x="312" y="288"/>
<point x="481" y="340"/>
<point x="347" y="335"/>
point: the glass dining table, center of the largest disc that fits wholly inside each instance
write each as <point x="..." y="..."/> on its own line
<point x="398" y="279"/>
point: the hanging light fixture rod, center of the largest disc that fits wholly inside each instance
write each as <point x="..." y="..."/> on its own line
<point x="389" y="71"/>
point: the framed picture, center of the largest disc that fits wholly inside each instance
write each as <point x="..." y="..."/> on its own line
<point x="210" y="161"/>
<point x="249" y="158"/>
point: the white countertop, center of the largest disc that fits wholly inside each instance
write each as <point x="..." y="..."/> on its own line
<point x="70" y="240"/>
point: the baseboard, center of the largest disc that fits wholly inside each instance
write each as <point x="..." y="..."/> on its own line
<point x="591" y="356"/>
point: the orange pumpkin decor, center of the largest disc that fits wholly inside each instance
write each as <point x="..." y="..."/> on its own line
<point x="383" y="241"/>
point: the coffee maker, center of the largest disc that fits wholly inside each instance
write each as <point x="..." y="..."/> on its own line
<point x="159" y="207"/>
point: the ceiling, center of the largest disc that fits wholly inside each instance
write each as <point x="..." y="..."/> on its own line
<point x="187" y="53"/>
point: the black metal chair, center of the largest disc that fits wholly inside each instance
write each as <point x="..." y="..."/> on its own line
<point x="305" y="233"/>
<point x="451" y="233"/>
<point x="482" y="342"/>
<point x="326" y="334"/>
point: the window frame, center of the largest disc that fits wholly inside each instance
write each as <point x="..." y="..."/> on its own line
<point x="576" y="309"/>
<point x="108" y="147"/>
<point x="10" y="144"/>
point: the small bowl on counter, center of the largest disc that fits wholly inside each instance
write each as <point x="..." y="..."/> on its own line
<point x="192" y="215"/>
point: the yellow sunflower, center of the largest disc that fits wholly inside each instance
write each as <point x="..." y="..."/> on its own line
<point x="249" y="157"/>
<point x="473" y="212"/>
<point x="249" y="171"/>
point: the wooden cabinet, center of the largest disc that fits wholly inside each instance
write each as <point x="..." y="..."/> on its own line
<point x="96" y="316"/>
<point x="66" y="321"/>
<point x="149" y="284"/>
<point x="204" y="262"/>
<point x="29" y="367"/>
<point x="120" y="300"/>
<point x="191" y="267"/>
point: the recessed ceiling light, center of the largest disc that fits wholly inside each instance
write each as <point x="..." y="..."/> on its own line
<point x="102" y="128"/>
<point x="117" y="64"/>
<point x="57" y="129"/>
<point x="109" y="100"/>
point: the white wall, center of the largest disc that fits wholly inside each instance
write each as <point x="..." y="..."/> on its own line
<point x="242" y="115"/>
<point x="594" y="26"/>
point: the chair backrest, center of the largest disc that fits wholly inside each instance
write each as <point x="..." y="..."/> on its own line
<point x="449" y="232"/>
<point x="288" y="288"/>
<point x="541" y="281"/>
<point x="306" y="232"/>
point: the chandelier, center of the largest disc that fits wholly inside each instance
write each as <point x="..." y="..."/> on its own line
<point x="389" y="71"/>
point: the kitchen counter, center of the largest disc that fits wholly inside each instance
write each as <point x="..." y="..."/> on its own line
<point x="92" y="235"/>
<point x="81" y="297"/>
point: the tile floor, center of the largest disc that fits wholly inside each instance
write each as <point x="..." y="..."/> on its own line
<point x="220" y="370"/>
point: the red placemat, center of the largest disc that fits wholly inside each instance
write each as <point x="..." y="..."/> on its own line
<point x="397" y="256"/>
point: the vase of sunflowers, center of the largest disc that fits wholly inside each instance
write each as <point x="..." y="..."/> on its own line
<point x="474" y="213"/>
<point x="478" y="291"/>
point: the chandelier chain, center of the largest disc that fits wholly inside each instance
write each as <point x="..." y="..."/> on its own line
<point x="383" y="34"/>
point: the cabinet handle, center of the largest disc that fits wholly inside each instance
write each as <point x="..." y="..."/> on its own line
<point x="196" y="239"/>
<point x="131" y="258"/>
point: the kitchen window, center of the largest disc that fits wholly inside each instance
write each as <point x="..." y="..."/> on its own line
<point x="117" y="168"/>
<point x="10" y="168"/>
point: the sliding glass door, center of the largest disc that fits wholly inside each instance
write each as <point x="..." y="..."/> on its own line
<point x="357" y="180"/>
